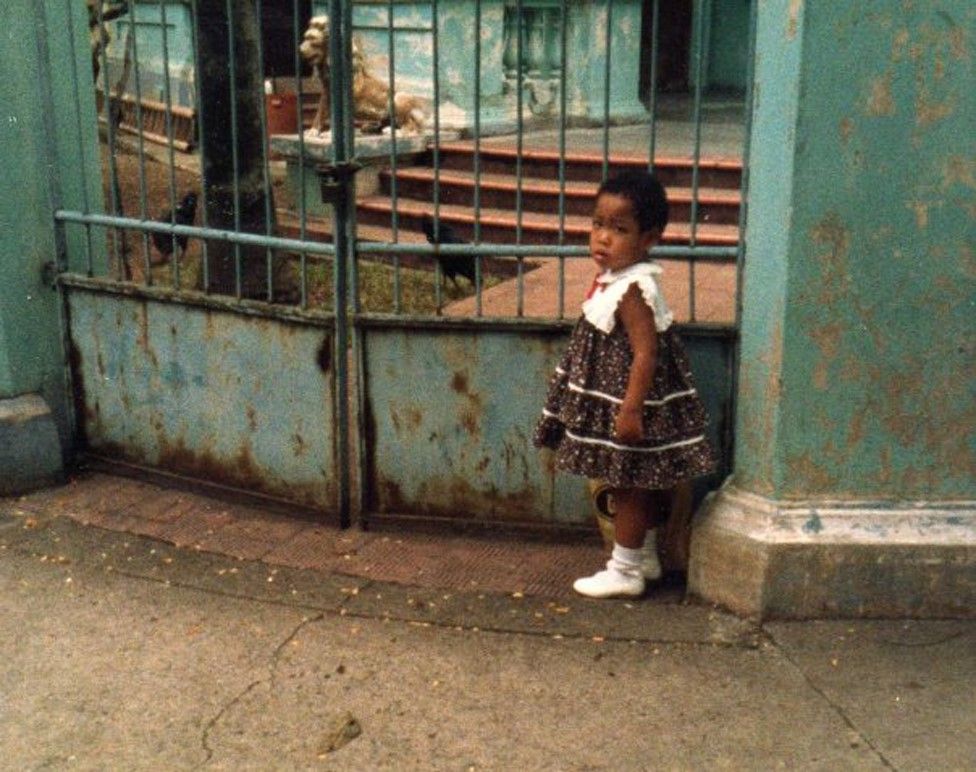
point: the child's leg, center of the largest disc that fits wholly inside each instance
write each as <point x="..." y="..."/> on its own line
<point x="630" y="521"/>
<point x="639" y="513"/>
<point x="624" y="574"/>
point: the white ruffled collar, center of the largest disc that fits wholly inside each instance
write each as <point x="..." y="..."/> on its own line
<point x="600" y="309"/>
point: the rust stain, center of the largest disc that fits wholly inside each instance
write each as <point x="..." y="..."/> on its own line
<point x="921" y="210"/>
<point x="880" y="102"/>
<point x="827" y="338"/>
<point x="929" y="111"/>
<point x="959" y="170"/>
<point x="899" y="45"/>
<point x="298" y="445"/>
<point x="252" y="418"/>
<point x="846" y="128"/>
<point x="957" y="44"/>
<point x="793" y="19"/>
<point x="459" y="382"/>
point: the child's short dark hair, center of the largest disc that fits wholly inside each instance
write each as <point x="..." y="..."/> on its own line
<point x="646" y="195"/>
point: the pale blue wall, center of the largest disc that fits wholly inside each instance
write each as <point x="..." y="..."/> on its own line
<point x="858" y="377"/>
<point x="48" y="147"/>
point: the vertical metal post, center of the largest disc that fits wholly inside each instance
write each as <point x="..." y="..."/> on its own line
<point x="69" y="6"/>
<point x="235" y="154"/>
<point x="563" y="31"/>
<point x="300" y="130"/>
<point x="168" y="101"/>
<point x="608" y="34"/>
<point x="701" y="42"/>
<point x="652" y="97"/>
<point x="477" y="155"/>
<point x="391" y="107"/>
<point x="141" y="141"/>
<point x="340" y="46"/>
<point x="118" y="244"/>
<point x="265" y="170"/>
<point x="200" y="134"/>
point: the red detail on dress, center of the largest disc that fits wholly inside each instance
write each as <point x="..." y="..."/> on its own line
<point x="594" y="286"/>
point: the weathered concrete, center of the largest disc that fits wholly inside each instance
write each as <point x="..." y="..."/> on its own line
<point x="125" y="652"/>
<point x="794" y="560"/>
<point x="30" y="453"/>
<point x="857" y="367"/>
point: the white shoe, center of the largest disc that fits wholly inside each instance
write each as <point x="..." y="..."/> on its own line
<point x="616" y="581"/>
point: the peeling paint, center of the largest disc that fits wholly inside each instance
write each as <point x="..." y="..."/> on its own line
<point x="880" y="102"/>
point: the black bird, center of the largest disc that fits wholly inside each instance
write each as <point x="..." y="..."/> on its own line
<point x="185" y="213"/>
<point x="451" y="265"/>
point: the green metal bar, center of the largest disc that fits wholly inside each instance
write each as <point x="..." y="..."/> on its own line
<point x="194" y="231"/>
<point x="394" y="213"/>
<point x="167" y="100"/>
<point x="201" y="132"/>
<point x="520" y="128"/>
<point x="435" y="53"/>
<point x="141" y="142"/>
<point x="478" y="278"/>
<point x="110" y="132"/>
<point x="235" y="153"/>
<point x="381" y="28"/>
<point x="340" y="45"/>
<point x="300" y="130"/>
<point x="563" y="34"/>
<point x="701" y="60"/>
<point x="652" y="96"/>
<point x="81" y="147"/>
<point x="698" y="254"/>
<point x="264" y="157"/>
<point x="608" y="36"/>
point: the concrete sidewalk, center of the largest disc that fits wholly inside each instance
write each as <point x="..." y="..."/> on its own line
<point x="125" y="651"/>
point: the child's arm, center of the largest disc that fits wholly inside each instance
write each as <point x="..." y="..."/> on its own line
<point x="638" y="320"/>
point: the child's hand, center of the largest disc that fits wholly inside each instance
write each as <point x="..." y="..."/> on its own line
<point x="628" y="427"/>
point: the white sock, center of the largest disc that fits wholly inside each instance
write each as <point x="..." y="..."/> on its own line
<point x="627" y="557"/>
<point x="650" y="540"/>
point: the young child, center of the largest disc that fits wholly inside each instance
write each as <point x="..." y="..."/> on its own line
<point x="622" y="405"/>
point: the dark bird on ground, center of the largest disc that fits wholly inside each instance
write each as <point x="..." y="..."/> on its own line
<point x="451" y="265"/>
<point x="185" y="213"/>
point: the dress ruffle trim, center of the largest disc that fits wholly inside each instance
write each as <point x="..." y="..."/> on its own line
<point x="601" y="308"/>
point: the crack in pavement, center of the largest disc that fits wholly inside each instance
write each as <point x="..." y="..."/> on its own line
<point x="270" y="680"/>
<point x="835" y="706"/>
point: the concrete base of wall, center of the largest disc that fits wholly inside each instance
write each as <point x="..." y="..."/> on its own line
<point x="768" y="559"/>
<point x="30" y="453"/>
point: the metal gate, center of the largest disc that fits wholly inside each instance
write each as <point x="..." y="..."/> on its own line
<point x="297" y="335"/>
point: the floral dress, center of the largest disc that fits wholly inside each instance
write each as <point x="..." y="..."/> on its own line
<point x="589" y="385"/>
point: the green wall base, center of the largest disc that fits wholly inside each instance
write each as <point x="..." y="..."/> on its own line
<point x="769" y="559"/>
<point x="30" y="454"/>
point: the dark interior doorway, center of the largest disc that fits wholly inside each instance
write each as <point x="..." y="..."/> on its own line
<point x="674" y="44"/>
<point x="278" y="35"/>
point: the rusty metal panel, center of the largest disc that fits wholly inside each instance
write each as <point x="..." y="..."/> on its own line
<point x="240" y="400"/>
<point x="449" y="420"/>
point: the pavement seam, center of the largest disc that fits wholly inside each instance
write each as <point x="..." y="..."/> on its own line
<point x="835" y="706"/>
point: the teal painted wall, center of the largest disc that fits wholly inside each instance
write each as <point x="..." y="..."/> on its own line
<point x="38" y="128"/>
<point x="729" y="45"/>
<point x="857" y="374"/>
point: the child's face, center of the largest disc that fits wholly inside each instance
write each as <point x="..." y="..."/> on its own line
<point x="616" y="240"/>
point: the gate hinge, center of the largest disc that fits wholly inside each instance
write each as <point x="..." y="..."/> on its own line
<point x="334" y="177"/>
<point x="49" y="273"/>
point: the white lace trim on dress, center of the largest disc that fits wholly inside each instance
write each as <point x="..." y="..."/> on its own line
<point x="601" y="309"/>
